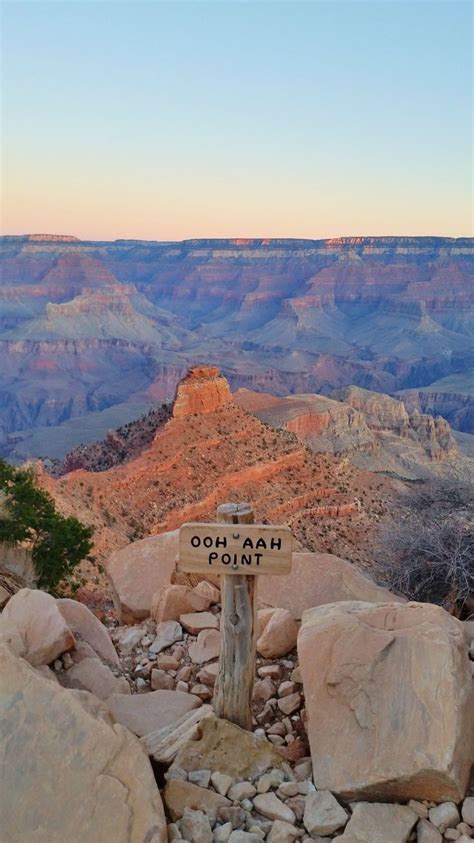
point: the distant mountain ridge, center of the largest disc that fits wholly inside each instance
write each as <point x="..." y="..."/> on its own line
<point x="108" y="323"/>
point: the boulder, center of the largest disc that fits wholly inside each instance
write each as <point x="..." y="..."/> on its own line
<point x="179" y="795"/>
<point x="67" y="772"/>
<point x="144" y="713"/>
<point x="94" y="676"/>
<point x="175" y="600"/>
<point x="223" y="747"/>
<point x="374" y="822"/>
<point x="392" y="682"/>
<point x="316" y="579"/>
<point x="82" y="622"/>
<point x="140" y="570"/>
<point x="44" y="631"/>
<point x="279" y="633"/>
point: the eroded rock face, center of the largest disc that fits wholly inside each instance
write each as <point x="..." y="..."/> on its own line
<point x="203" y="390"/>
<point x="80" y="620"/>
<point x="319" y="578"/>
<point x="392" y="682"/>
<point x="63" y="743"/>
<point x="40" y="623"/>
<point x="139" y="571"/>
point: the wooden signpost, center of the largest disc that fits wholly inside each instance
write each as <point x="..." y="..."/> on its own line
<point x="239" y="551"/>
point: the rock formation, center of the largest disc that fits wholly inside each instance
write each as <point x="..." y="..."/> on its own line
<point x="393" y="683"/>
<point x="191" y="398"/>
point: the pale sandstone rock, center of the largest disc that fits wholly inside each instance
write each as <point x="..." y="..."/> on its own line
<point x="444" y="816"/>
<point x="160" y="681"/>
<point x="202" y="390"/>
<point x="289" y="704"/>
<point x="179" y="795"/>
<point x="208" y="674"/>
<point x="467" y="810"/>
<point x="239" y="836"/>
<point x="409" y="730"/>
<point x="279" y="634"/>
<point x="270" y="806"/>
<point x="130" y="640"/>
<point x="11" y="637"/>
<point x="41" y="625"/>
<point x="208" y="590"/>
<point x="222" y="833"/>
<point x="195" y="827"/>
<point x="82" y="621"/>
<point x="225" y="748"/>
<point x="240" y="791"/>
<point x="282" y="832"/>
<point x="167" y="633"/>
<point x="428" y="833"/>
<point x="221" y="782"/>
<point x="140" y="570"/>
<point x="94" y="676"/>
<point x="175" y="600"/>
<point x="316" y="579"/>
<point x="144" y="713"/>
<point x="206" y="647"/>
<point x="63" y="743"/>
<point x="200" y="777"/>
<point x="194" y="622"/>
<point x="372" y="822"/>
<point x="323" y="814"/>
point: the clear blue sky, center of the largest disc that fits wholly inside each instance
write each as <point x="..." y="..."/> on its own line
<point x="177" y="119"/>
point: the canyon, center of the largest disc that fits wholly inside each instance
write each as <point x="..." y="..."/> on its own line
<point x="91" y="332"/>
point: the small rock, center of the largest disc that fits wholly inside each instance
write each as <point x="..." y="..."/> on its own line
<point x="222" y="833"/>
<point x="289" y="704"/>
<point x="208" y="674"/>
<point x="176" y="773"/>
<point x="444" y="816"/>
<point x="304" y="769"/>
<point x="419" y="808"/>
<point x="271" y="670"/>
<point x="184" y="673"/>
<point x="141" y="684"/>
<point x="428" y="833"/>
<point x="467" y="810"/>
<point x="270" y="806"/>
<point x="167" y="662"/>
<point x="173" y="832"/>
<point x="255" y="829"/>
<point x="277" y="729"/>
<point x="286" y="688"/>
<point x="207" y="646"/>
<point x="305" y="787"/>
<point x="200" y="777"/>
<point x="194" y="622"/>
<point x="241" y="790"/>
<point x="244" y="837"/>
<point x="167" y="633"/>
<point x="130" y="640"/>
<point x="376" y="821"/>
<point x="209" y="591"/>
<point x="179" y="795"/>
<point x="323" y="814"/>
<point x="297" y="805"/>
<point x="160" y="681"/>
<point x="236" y="816"/>
<point x="282" y="832"/>
<point x="296" y="676"/>
<point x="279" y="634"/>
<point x="288" y="789"/>
<point x="221" y="782"/>
<point x="263" y="689"/>
<point x="452" y="834"/>
<point x="276" y="740"/>
<point x="274" y="778"/>
<point x="201" y="691"/>
<point x="67" y="661"/>
<point x="182" y="686"/>
<point x="195" y="827"/>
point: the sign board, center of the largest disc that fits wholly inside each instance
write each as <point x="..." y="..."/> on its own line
<point x="235" y="549"/>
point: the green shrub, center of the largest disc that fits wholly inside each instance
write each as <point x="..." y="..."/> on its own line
<point x="28" y="515"/>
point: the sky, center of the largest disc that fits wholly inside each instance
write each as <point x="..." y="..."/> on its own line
<point x="236" y="118"/>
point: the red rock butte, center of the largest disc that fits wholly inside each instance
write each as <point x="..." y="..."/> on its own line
<point x="202" y="390"/>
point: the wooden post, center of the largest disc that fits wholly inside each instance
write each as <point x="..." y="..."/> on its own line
<point x="234" y="686"/>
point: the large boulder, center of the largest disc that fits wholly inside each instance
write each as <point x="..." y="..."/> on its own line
<point x="140" y="570"/>
<point x="389" y="701"/>
<point x="316" y="579"/>
<point x="68" y="772"/>
<point x="83" y="623"/>
<point x="40" y="623"/>
<point x="223" y="747"/>
<point x="144" y="713"/>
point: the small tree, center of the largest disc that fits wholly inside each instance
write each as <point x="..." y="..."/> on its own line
<point x="427" y="547"/>
<point x="28" y="515"/>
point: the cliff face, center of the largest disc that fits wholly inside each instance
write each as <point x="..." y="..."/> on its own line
<point x="288" y="316"/>
<point x="203" y="390"/>
<point x="374" y="430"/>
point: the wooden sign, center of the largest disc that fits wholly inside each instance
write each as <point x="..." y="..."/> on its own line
<point x="248" y="549"/>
